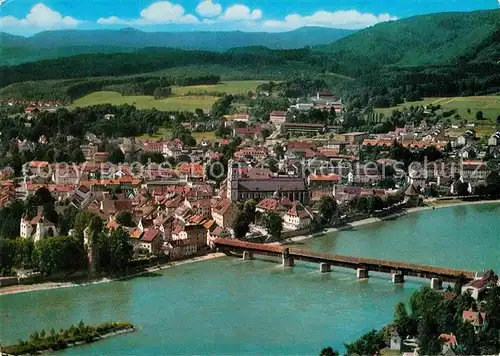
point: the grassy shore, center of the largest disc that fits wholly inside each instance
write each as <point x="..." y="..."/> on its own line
<point x="80" y="334"/>
<point x="51" y="285"/>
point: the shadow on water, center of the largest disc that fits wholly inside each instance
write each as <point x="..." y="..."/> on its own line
<point x="142" y="275"/>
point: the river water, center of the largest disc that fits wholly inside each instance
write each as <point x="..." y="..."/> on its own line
<point x="227" y="306"/>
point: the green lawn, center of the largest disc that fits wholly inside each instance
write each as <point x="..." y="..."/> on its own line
<point x="489" y="105"/>
<point x="181" y="103"/>
<point x="229" y="87"/>
<point x="209" y="136"/>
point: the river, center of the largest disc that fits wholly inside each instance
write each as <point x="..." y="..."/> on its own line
<point x="227" y="306"/>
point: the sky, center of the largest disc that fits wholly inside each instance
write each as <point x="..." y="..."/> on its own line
<point x="26" y="17"/>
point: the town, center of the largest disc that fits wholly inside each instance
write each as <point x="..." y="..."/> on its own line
<point x="260" y="180"/>
<point x="128" y="189"/>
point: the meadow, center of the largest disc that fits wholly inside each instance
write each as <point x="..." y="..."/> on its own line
<point x="489" y="105"/>
<point x="229" y="87"/>
<point x="174" y="103"/>
<point x="180" y="101"/>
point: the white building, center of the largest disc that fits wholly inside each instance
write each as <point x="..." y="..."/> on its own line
<point x="297" y="217"/>
<point x="38" y="227"/>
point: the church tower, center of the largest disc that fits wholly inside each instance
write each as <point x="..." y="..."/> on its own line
<point x="233" y="175"/>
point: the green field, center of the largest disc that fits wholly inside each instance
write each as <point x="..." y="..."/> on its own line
<point x="489" y="105"/>
<point x="181" y="103"/>
<point x="229" y="87"/>
<point x="164" y="133"/>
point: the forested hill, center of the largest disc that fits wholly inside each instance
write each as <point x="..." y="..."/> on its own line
<point x="434" y="39"/>
<point x="53" y="44"/>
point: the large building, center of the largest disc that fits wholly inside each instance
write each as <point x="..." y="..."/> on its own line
<point x="241" y="187"/>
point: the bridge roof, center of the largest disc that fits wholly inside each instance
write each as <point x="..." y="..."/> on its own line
<point x="249" y="245"/>
<point x="378" y="262"/>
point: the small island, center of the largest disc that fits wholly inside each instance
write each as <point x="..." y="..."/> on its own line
<point x="75" y="335"/>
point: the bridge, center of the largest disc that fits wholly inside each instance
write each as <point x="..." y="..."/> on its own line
<point x="362" y="265"/>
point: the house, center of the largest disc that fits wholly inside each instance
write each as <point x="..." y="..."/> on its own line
<point x="275" y="205"/>
<point x="89" y="150"/>
<point x="246" y="132"/>
<point x="449" y="344"/>
<point x="82" y="197"/>
<point x="224" y="212"/>
<point x="395" y="343"/>
<point x="151" y="240"/>
<point x="465" y="139"/>
<point x="180" y="249"/>
<point x="277" y="118"/>
<point x="297" y="218"/>
<point x="494" y="139"/>
<point x="38" y="227"/>
<point x="412" y="196"/>
<point x="354" y="138"/>
<point x="480" y="283"/>
<point x="477" y="319"/>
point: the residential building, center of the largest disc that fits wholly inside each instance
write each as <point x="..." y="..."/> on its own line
<point x="297" y="218"/>
<point x="277" y="118"/>
<point x="224" y="212"/>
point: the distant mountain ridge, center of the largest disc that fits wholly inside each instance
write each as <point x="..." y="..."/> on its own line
<point x="17" y="49"/>
<point x="435" y="39"/>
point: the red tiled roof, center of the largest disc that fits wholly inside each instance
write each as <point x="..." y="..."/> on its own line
<point x="150" y="235"/>
<point x="324" y="177"/>
<point x="475" y="318"/>
<point x="449" y="339"/>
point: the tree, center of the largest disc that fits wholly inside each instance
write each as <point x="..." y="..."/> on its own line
<point x="199" y="112"/>
<point x="328" y="351"/>
<point x="274" y="224"/>
<point x="162" y="92"/>
<point x="125" y="218"/>
<point x="116" y="156"/>
<point x="479" y="115"/>
<point x="117" y="251"/>
<point x="265" y="133"/>
<point x="58" y="254"/>
<point x="249" y="209"/>
<point x="402" y="320"/>
<point x="327" y="208"/>
<point x="241" y="225"/>
<point x="368" y="344"/>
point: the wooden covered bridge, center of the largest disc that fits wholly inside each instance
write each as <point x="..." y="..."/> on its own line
<point x="362" y="265"/>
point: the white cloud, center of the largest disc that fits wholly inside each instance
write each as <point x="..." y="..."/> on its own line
<point x="240" y="12"/>
<point x="349" y="19"/>
<point x="39" y="17"/>
<point x="161" y="12"/>
<point x="207" y="8"/>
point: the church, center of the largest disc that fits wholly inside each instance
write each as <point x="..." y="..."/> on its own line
<point x="242" y="186"/>
<point x="38" y="227"/>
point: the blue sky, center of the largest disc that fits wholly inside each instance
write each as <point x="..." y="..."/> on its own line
<point x="31" y="16"/>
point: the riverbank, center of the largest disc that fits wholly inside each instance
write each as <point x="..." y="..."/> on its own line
<point x="54" y="285"/>
<point x="431" y="206"/>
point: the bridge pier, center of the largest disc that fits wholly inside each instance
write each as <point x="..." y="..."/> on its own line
<point x="287" y="261"/>
<point x="398" y="278"/>
<point x="362" y="273"/>
<point x="325" y="267"/>
<point x="247" y="255"/>
<point x="436" y="283"/>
